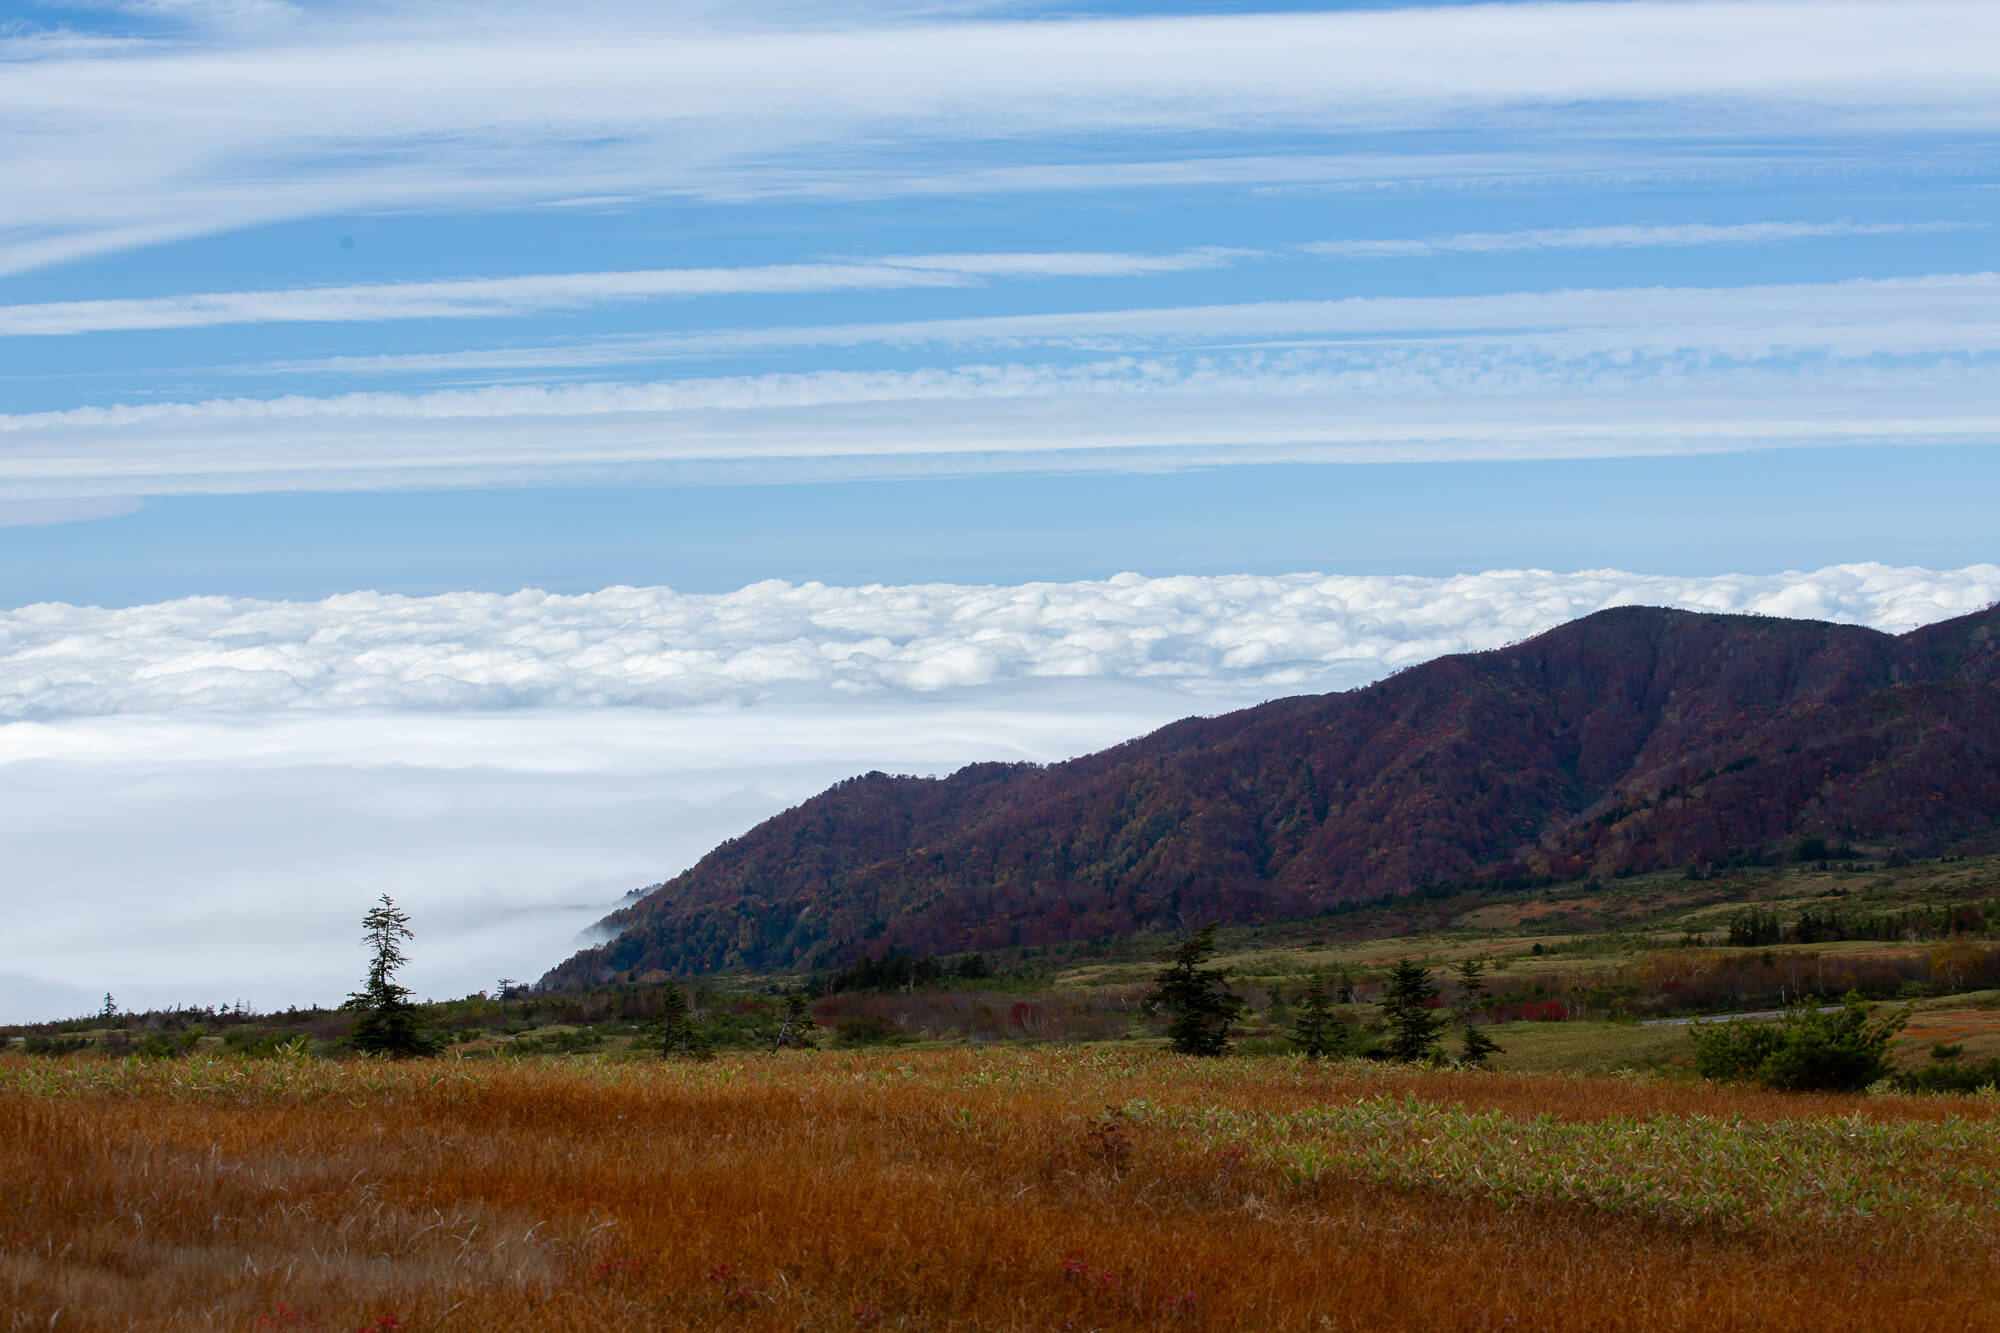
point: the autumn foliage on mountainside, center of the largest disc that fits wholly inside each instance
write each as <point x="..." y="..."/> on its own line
<point x="1632" y="739"/>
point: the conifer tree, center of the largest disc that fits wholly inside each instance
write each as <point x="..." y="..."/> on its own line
<point x="795" y="1027"/>
<point x="388" y="1021"/>
<point x="675" y="1021"/>
<point x="1315" y="1029"/>
<point x="1203" y="1008"/>
<point x="1409" y="1006"/>
<point x="1472" y="998"/>
<point x="1477" y="1046"/>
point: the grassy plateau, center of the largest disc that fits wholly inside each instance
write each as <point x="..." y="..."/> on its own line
<point x="1010" y="1146"/>
<point x="1009" y="1187"/>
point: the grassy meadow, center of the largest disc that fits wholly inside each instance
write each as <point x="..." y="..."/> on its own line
<point x="1017" y="1150"/>
<point x="1009" y="1187"/>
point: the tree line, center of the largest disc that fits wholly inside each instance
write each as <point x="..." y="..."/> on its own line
<point x="1204" y="1011"/>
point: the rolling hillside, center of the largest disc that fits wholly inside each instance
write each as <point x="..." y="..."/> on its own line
<point x="1631" y="739"/>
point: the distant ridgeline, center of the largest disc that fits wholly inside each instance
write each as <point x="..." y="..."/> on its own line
<point x="1630" y="740"/>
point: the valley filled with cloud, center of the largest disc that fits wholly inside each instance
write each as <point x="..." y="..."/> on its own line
<point x="509" y="765"/>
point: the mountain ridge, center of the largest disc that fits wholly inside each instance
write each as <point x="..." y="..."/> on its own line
<point x="1630" y="739"/>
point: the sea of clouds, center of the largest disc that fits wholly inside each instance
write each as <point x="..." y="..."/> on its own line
<point x="200" y="797"/>
<point x="658" y="648"/>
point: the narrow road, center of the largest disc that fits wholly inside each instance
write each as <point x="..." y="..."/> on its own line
<point x="1725" y="1018"/>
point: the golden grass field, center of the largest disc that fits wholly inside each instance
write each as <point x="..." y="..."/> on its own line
<point x="1006" y="1188"/>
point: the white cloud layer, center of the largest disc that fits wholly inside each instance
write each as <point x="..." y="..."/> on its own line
<point x="209" y="859"/>
<point x="203" y="796"/>
<point x="347" y="110"/>
<point x="657" y="648"/>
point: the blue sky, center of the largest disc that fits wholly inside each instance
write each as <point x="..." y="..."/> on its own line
<point x="299" y="301"/>
<point x="640" y="265"/>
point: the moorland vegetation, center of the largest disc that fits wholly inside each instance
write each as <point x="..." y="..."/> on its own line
<point x="1005" y="1187"/>
<point x="1476" y="1106"/>
<point x="1592" y="975"/>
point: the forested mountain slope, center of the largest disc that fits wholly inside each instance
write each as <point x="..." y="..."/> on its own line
<point x="1631" y="739"/>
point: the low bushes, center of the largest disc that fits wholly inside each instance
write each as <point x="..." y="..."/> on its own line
<point x="1809" y="1050"/>
<point x="1949" y="1077"/>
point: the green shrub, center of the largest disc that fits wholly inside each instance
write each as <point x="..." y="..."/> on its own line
<point x="262" y="1045"/>
<point x="37" y="1044"/>
<point x="1948" y="1077"/>
<point x="557" y="1043"/>
<point x="1271" y="1045"/>
<point x="871" y="1030"/>
<point x="1840" y="1050"/>
<point x="1734" y="1052"/>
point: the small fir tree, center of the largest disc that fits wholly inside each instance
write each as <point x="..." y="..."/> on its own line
<point x="1203" y="1008"/>
<point x="1471" y="986"/>
<point x="1410" y="1008"/>
<point x="1343" y="987"/>
<point x="1477" y="1046"/>
<point x="675" y="1022"/>
<point x="795" y="1025"/>
<point x="1315" y="1030"/>
<point x="1472" y="999"/>
<point x="388" y="1021"/>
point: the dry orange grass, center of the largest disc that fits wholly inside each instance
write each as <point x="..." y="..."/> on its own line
<point x="935" y="1190"/>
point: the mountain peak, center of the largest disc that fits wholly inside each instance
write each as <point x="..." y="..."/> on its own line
<point x="1633" y="738"/>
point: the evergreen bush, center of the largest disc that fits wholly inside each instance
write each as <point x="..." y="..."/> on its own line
<point x="1203" y="1007"/>
<point x="1807" y="1050"/>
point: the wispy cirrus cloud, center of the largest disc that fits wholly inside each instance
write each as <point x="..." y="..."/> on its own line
<point x="1627" y="237"/>
<point x="1943" y="313"/>
<point x="44" y="513"/>
<point x="352" y="110"/>
<point x="1584" y="373"/>
<point x="477" y="298"/>
<point x="491" y="297"/>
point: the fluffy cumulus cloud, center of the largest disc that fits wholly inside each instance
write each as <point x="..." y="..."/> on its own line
<point x="657" y="648"/>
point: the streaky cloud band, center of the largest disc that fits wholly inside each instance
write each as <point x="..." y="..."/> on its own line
<point x="109" y="148"/>
<point x="523" y="294"/>
<point x="1942" y="313"/>
<point x="486" y="298"/>
<point x="1631" y="236"/>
